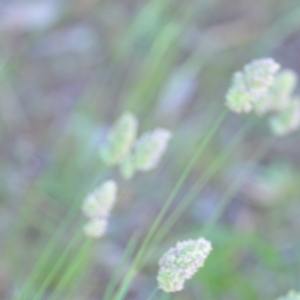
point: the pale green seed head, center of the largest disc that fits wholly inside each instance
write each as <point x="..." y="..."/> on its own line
<point x="95" y="228"/>
<point x="238" y="98"/>
<point x="287" y="120"/>
<point x="181" y="263"/>
<point x="120" y="139"/>
<point x="292" y="295"/>
<point x="250" y="87"/>
<point x="259" y="76"/>
<point x="149" y="149"/>
<point x="280" y="94"/>
<point x="170" y="281"/>
<point x="99" y="203"/>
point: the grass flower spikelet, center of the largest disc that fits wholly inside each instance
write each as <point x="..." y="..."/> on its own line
<point x="238" y="99"/>
<point x="120" y="139"/>
<point x="95" y="228"/>
<point x="260" y="76"/>
<point x="251" y="85"/>
<point x="149" y="149"/>
<point x="181" y="263"/>
<point x="99" y="203"/>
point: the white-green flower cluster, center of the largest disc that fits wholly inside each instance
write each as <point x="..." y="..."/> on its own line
<point x="149" y="148"/>
<point x="120" y="139"/>
<point x="146" y="153"/>
<point x="181" y="263"/>
<point x="251" y="85"/>
<point x="259" y="76"/>
<point x="262" y="89"/>
<point x="97" y="207"/>
<point x="291" y="296"/>
<point x="133" y="154"/>
<point x="279" y="95"/>
<point x="95" y="228"/>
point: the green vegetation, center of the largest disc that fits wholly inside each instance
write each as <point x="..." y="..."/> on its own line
<point x="181" y="164"/>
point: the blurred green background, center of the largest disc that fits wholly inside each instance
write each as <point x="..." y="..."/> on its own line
<point x="68" y="69"/>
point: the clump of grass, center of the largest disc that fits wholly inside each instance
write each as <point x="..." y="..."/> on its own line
<point x="253" y="90"/>
<point x="250" y="89"/>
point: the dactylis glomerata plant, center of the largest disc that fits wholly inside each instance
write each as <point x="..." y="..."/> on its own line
<point x="263" y="89"/>
<point x="131" y="154"/>
<point x="260" y="88"/>
<point x="97" y="207"/>
<point x="181" y="263"/>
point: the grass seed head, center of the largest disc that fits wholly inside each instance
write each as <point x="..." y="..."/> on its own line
<point x="120" y="139"/>
<point x="99" y="203"/>
<point x="260" y="76"/>
<point x="149" y="149"/>
<point x="181" y="263"/>
<point x="251" y="85"/>
<point x="95" y="228"/>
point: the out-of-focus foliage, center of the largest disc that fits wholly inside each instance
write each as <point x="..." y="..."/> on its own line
<point x="68" y="70"/>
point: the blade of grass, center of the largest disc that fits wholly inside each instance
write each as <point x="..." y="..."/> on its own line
<point x="159" y="61"/>
<point x="51" y="244"/>
<point x="201" y="183"/>
<point x="153" y="294"/>
<point x="232" y="190"/>
<point x="48" y="250"/>
<point x="57" y="266"/>
<point x="205" y="142"/>
<point x="124" y="287"/>
<point x="45" y="256"/>
<point x="127" y="41"/>
<point x="80" y="258"/>
<point x="117" y="274"/>
<point x="128" y="251"/>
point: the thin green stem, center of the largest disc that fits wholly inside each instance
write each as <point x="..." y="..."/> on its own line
<point x="125" y="285"/>
<point x="153" y="294"/>
<point x="57" y="266"/>
<point x="233" y="188"/>
<point x="79" y="259"/>
<point x="117" y="274"/>
<point x="200" y="184"/>
<point x="49" y="248"/>
<point x="165" y="296"/>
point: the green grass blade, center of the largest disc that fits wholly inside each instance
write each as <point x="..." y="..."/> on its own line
<point x="125" y="285"/>
<point x="227" y="197"/>
<point x="200" y="184"/>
